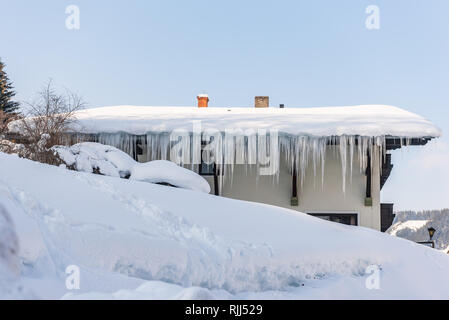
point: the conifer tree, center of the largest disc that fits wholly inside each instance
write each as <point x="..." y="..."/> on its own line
<point x="7" y="105"/>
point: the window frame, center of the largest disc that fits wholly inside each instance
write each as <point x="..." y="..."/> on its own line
<point x="337" y="214"/>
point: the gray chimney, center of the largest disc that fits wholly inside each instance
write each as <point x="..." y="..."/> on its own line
<point x="262" y="101"/>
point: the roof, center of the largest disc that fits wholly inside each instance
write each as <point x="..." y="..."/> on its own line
<point x="364" y="120"/>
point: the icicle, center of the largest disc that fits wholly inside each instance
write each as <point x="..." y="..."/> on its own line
<point x="343" y="159"/>
<point x="323" y="147"/>
<point x="351" y="141"/>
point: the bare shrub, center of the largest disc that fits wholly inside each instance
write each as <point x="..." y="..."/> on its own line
<point x="47" y="122"/>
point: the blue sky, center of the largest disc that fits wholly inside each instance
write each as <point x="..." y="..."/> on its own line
<point x="300" y="53"/>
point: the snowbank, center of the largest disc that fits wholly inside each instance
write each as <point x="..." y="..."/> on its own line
<point x="8" y="243"/>
<point x="110" y="161"/>
<point x="127" y="235"/>
<point x="367" y="120"/>
<point x="89" y="156"/>
<point x="10" y="284"/>
<point x="162" y="171"/>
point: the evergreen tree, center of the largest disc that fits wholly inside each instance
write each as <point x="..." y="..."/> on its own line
<point x="6" y="92"/>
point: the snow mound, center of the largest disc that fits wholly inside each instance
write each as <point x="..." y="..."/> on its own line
<point x="90" y="156"/>
<point x="110" y="161"/>
<point x="117" y="229"/>
<point x="10" y="284"/>
<point x="154" y="290"/>
<point x="9" y="246"/>
<point x="162" y="171"/>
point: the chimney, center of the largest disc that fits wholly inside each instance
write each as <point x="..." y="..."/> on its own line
<point x="203" y="100"/>
<point x="261" y="101"/>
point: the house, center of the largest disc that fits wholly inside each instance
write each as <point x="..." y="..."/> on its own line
<point x="330" y="162"/>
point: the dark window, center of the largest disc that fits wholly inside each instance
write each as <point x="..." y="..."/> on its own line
<point x="139" y="148"/>
<point x="386" y="216"/>
<point x="206" y="169"/>
<point x="347" y="218"/>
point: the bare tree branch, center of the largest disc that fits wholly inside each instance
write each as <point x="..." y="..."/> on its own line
<point x="48" y="120"/>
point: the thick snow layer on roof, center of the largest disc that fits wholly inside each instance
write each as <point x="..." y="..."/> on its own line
<point x="366" y="120"/>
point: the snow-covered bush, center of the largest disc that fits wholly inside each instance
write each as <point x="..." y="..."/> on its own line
<point x="96" y="158"/>
<point x="34" y="151"/>
<point x="109" y="161"/>
<point x="7" y="146"/>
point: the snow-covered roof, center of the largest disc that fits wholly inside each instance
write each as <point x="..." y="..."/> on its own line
<point x="364" y="120"/>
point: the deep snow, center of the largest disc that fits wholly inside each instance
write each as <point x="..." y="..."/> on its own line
<point x="110" y="161"/>
<point x="133" y="239"/>
<point x="365" y="120"/>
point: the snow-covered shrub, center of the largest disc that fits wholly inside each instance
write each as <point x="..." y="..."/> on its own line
<point x="106" y="160"/>
<point x="5" y="119"/>
<point x="7" y="146"/>
<point x="96" y="158"/>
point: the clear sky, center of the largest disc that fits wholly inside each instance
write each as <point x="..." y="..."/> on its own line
<point x="300" y="53"/>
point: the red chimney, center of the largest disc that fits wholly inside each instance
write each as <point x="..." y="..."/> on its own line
<point x="203" y="100"/>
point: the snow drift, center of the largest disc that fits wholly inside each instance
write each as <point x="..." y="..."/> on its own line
<point x="122" y="233"/>
<point x="107" y="160"/>
<point x="10" y="284"/>
<point x="163" y="171"/>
